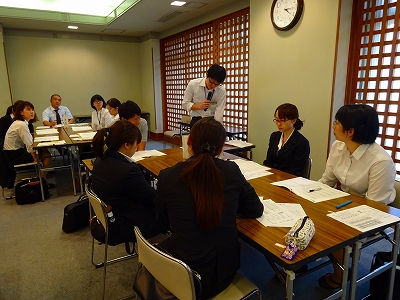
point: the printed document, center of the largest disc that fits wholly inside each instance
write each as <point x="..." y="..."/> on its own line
<point x="87" y="136"/>
<point x="46" y="138"/>
<point x="250" y="169"/>
<point x="364" y="217"/>
<point x="311" y="190"/>
<point x="47" y="131"/>
<point x="239" y="143"/>
<point x="53" y="143"/>
<point x="81" y="128"/>
<point x="139" y="155"/>
<point x="280" y="214"/>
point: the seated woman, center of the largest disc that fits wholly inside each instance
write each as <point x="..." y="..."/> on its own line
<point x="18" y="141"/>
<point x="288" y="149"/>
<point x="361" y="166"/>
<point x="112" y="106"/>
<point x="101" y="118"/>
<point x="198" y="200"/>
<point x="119" y="182"/>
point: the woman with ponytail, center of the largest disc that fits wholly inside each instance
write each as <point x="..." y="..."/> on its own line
<point x="198" y="200"/>
<point x="119" y="182"/>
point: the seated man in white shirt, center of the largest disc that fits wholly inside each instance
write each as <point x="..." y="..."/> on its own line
<point x="54" y="114"/>
<point x="131" y="112"/>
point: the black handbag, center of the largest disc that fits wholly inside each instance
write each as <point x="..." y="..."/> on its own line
<point x="379" y="285"/>
<point x="28" y="191"/>
<point x="76" y="215"/>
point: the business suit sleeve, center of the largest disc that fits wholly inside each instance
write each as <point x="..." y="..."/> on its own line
<point x="141" y="190"/>
<point x="161" y="210"/>
<point x="272" y="150"/>
<point x="249" y="203"/>
<point x="300" y="157"/>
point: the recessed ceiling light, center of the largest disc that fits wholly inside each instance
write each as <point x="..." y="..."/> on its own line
<point x="72" y="27"/>
<point x="178" y="3"/>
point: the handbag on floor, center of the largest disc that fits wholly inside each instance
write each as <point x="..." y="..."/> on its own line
<point x="28" y="191"/>
<point x="76" y="215"/>
<point x="379" y="285"/>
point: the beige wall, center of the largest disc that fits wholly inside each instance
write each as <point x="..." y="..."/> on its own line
<point x="5" y="95"/>
<point x="295" y="66"/>
<point x="74" y="68"/>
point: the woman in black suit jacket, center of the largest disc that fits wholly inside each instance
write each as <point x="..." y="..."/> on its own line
<point x="288" y="149"/>
<point x="198" y="200"/>
<point x="119" y="182"/>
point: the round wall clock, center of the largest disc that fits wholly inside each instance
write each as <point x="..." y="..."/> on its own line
<point x="286" y="13"/>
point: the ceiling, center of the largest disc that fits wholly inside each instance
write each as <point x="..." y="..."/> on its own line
<point x="142" y="18"/>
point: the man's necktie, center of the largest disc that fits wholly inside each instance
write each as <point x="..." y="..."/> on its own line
<point x="58" y="118"/>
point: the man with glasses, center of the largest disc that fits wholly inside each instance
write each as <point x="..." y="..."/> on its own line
<point x="206" y="97"/>
<point x="54" y="114"/>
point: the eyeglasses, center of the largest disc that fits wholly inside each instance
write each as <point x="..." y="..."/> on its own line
<point x="213" y="82"/>
<point x="97" y="101"/>
<point x="279" y="120"/>
<point x="336" y="122"/>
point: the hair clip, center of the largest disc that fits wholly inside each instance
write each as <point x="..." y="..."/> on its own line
<point x="206" y="148"/>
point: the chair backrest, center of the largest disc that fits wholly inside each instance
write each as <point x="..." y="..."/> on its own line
<point x="307" y="169"/>
<point x="186" y="119"/>
<point x="98" y="206"/>
<point x="172" y="273"/>
<point x="396" y="202"/>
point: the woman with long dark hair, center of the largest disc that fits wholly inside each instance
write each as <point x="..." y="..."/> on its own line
<point x="119" y="182"/>
<point x="198" y="200"/>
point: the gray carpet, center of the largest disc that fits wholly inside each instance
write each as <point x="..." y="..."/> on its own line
<point x="40" y="261"/>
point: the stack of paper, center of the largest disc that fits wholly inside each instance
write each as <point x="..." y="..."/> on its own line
<point x="42" y="127"/>
<point x="311" y="190"/>
<point x="81" y="128"/>
<point x="280" y="214"/>
<point x="54" y="143"/>
<point x="47" y="131"/>
<point x="251" y="169"/>
<point x="46" y="138"/>
<point x="139" y="155"/>
<point x="238" y="143"/>
<point x="364" y="217"/>
<point x="87" y="136"/>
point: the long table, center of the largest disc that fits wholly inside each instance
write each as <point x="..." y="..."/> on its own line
<point x="330" y="234"/>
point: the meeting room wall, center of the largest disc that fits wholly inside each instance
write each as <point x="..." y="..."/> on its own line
<point x="295" y="66"/>
<point x="40" y="65"/>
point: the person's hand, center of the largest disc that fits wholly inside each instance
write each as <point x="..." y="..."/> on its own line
<point x="53" y="123"/>
<point x="205" y="104"/>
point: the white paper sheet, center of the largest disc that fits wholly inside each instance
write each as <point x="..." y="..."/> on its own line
<point x="363" y="217"/>
<point x="311" y="190"/>
<point x="278" y="215"/>
<point x="54" y="143"/>
<point x="239" y="143"/>
<point x="87" y="136"/>
<point x="47" y="131"/>
<point x="42" y="127"/>
<point x="81" y="128"/>
<point x="251" y="169"/>
<point x="46" y="138"/>
<point x="139" y="155"/>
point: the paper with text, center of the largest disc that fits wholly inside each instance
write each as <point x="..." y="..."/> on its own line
<point x="139" y="155"/>
<point x="311" y="190"/>
<point x="47" y="131"/>
<point x="364" y="217"/>
<point x="279" y="215"/>
<point x="250" y="169"/>
<point x="46" y="138"/>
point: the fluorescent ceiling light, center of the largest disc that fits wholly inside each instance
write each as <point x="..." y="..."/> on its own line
<point x="85" y="7"/>
<point x="178" y="3"/>
<point x="72" y="27"/>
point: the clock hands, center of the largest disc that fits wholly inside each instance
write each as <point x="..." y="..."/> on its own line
<point x="287" y="10"/>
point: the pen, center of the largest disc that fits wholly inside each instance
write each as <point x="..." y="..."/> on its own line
<point x="316" y="189"/>
<point x="344" y="204"/>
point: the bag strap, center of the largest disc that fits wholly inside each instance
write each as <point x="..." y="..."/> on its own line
<point x="128" y="248"/>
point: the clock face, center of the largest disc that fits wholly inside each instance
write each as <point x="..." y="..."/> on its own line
<point x="286" y="13"/>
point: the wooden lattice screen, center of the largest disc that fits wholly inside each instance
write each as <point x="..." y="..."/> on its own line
<point x="189" y="54"/>
<point x="374" y="67"/>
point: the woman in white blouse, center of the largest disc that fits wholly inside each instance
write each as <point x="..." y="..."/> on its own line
<point x="18" y="141"/>
<point x="101" y="118"/>
<point x="113" y="105"/>
<point x="361" y="166"/>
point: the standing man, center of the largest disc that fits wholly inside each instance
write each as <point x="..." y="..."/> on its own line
<point x="131" y="112"/>
<point x="54" y="114"/>
<point x="206" y="97"/>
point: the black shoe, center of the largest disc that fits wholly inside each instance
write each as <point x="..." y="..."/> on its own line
<point x="322" y="281"/>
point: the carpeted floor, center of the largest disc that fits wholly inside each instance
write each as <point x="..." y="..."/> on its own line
<point x="40" y="261"/>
